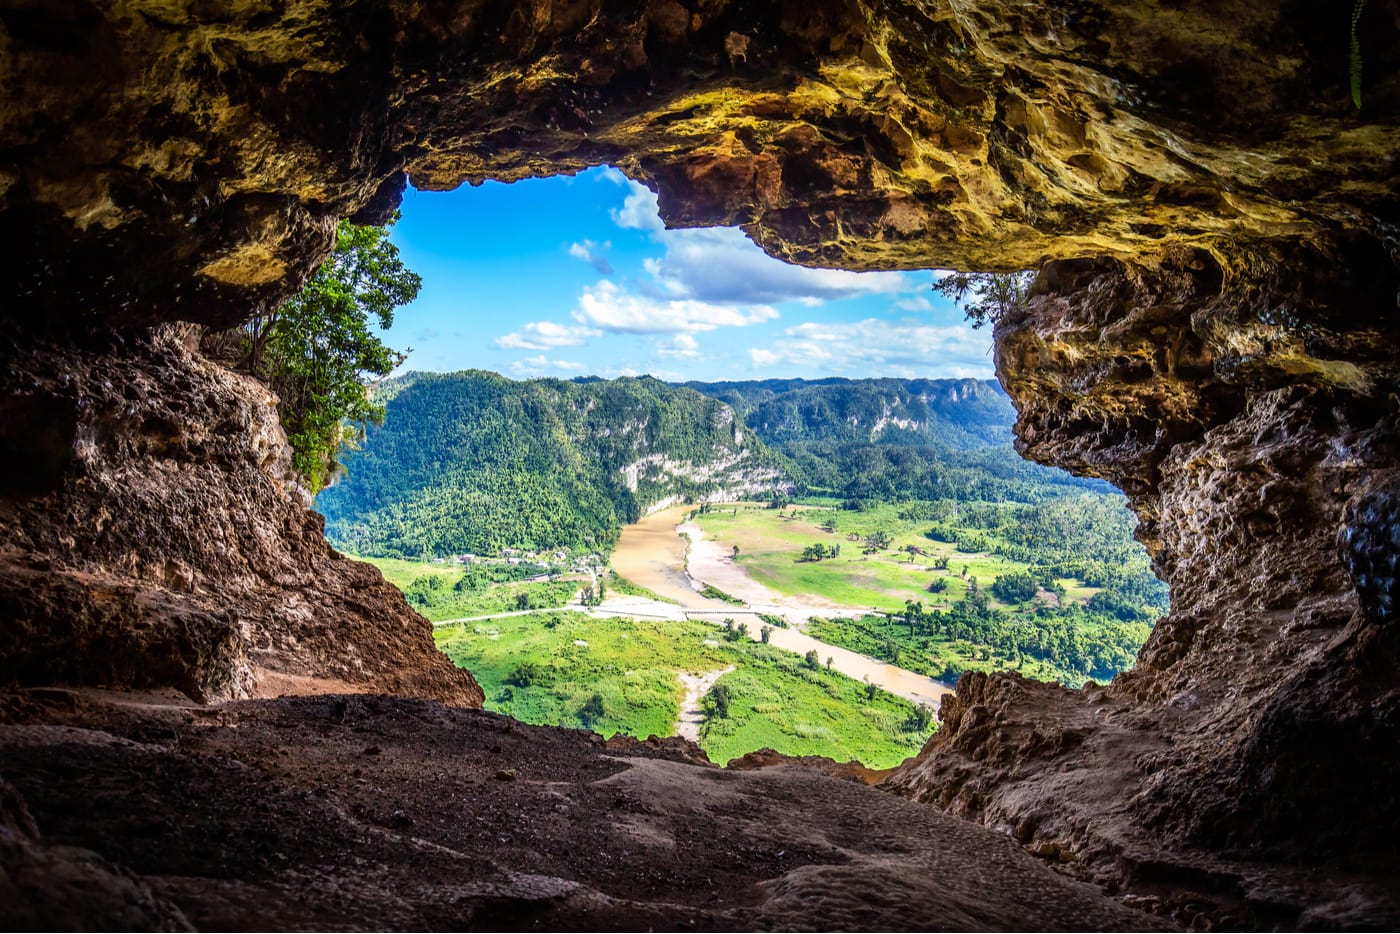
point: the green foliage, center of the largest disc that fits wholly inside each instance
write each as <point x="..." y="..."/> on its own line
<point x="622" y="585"/>
<point x="880" y="440"/>
<point x="986" y="297"/>
<point x="1090" y="629"/>
<point x="777" y="703"/>
<point x="592" y="711"/>
<point x="1069" y="644"/>
<point x="1355" y="63"/>
<point x="473" y="463"/>
<point x="714" y="593"/>
<point x="716" y="702"/>
<point x="446" y="591"/>
<point x="1016" y="587"/>
<point x="316" y="350"/>
<point x="619" y="676"/>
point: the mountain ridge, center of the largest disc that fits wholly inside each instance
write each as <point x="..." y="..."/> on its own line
<point x="473" y="462"/>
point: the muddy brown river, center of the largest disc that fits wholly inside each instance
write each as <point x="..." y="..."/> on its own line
<point x="653" y="554"/>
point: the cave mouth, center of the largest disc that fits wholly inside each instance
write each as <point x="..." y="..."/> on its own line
<point x="1211" y="206"/>
<point x="873" y="390"/>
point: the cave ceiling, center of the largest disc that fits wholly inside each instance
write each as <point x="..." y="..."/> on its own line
<point x="172" y="161"/>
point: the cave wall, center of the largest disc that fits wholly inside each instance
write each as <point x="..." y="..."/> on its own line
<point x="1246" y="403"/>
<point x="1213" y="329"/>
<point x="158" y="537"/>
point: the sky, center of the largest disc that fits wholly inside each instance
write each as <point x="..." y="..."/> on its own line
<point x="577" y="276"/>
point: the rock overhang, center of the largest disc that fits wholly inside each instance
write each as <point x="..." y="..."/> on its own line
<point x="1214" y="326"/>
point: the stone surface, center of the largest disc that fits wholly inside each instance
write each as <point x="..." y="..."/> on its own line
<point x="1214" y="329"/>
<point x="249" y="801"/>
<point x="159" y="538"/>
<point x="1257" y="440"/>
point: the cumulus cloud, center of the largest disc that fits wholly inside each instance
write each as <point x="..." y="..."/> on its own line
<point x="594" y="254"/>
<point x="610" y="307"/>
<point x="721" y="264"/>
<point x="540" y="365"/>
<point x="885" y="347"/>
<point x="546" y="335"/>
<point x="640" y="210"/>
<point x="681" y="345"/>
<point x="914" y="303"/>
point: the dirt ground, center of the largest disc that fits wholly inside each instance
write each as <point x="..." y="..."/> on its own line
<point x="365" y="812"/>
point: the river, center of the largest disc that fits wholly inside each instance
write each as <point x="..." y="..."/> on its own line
<point x="653" y="554"/>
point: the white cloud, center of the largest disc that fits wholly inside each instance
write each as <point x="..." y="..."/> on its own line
<point x="538" y="366"/>
<point x="612" y="308"/>
<point x="721" y="264"/>
<point x="594" y="254"/>
<point x="639" y="210"/>
<point x="546" y="335"/>
<point x="881" y="347"/>
<point x="681" y="345"/>
<point x="914" y="303"/>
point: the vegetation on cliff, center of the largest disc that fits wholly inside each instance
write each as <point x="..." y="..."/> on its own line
<point x="895" y="439"/>
<point x="474" y="463"/>
<point x="316" y="349"/>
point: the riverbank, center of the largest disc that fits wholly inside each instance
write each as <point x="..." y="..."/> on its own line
<point x="671" y="557"/>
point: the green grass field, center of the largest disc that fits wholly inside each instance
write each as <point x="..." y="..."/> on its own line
<point x="771" y="542"/>
<point x="402" y="573"/>
<point x="444" y="602"/>
<point x="620" y="676"/>
<point x="615" y="583"/>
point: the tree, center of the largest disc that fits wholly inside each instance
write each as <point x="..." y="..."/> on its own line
<point x="812" y="660"/>
<point x="592" y="710"/>
<point x="986" y="296"/>
<point x="765" y="633"/>
<point x="316" y="349"/>
<point x="919" y="720"/>
<point x="1016" y="587"/>
<point x="716" y="702"/>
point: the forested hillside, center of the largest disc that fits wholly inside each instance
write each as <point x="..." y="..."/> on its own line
<point x="888" y="439"/>
<point x="473" y="462"/>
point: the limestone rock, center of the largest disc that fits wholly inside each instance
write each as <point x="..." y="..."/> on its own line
<point x="1214" y="329"/>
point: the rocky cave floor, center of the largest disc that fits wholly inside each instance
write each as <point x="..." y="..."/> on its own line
<point x="352" y="812"/>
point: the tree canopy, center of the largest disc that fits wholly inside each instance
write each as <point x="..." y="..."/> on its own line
<point x="986" y="297"/>
<point x="317" y="349"/>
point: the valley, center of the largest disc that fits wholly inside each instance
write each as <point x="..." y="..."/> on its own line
<point x="898" y="543"/>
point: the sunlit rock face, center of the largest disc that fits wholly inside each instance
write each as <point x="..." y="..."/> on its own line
<point x="1215" y="330"/>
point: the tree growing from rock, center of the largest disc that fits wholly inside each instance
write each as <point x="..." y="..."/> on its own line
<point x="986" y="297"/>
<point x="317" y="349"/>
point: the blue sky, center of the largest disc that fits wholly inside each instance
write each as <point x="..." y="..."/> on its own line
<point x="577" y="276"/>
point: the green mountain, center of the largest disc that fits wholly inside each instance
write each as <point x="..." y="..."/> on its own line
<point x="473" y="462"/>
<point x="933" y="439"/>
<point x="954" y="413"/>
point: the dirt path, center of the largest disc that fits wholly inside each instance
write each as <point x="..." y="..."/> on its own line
<point x="692" y="713"/>
<point x="653" y="554"/>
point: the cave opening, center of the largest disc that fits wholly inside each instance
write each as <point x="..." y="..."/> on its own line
<point x="563" y="308"/>
<point x="1208" y="192"/>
